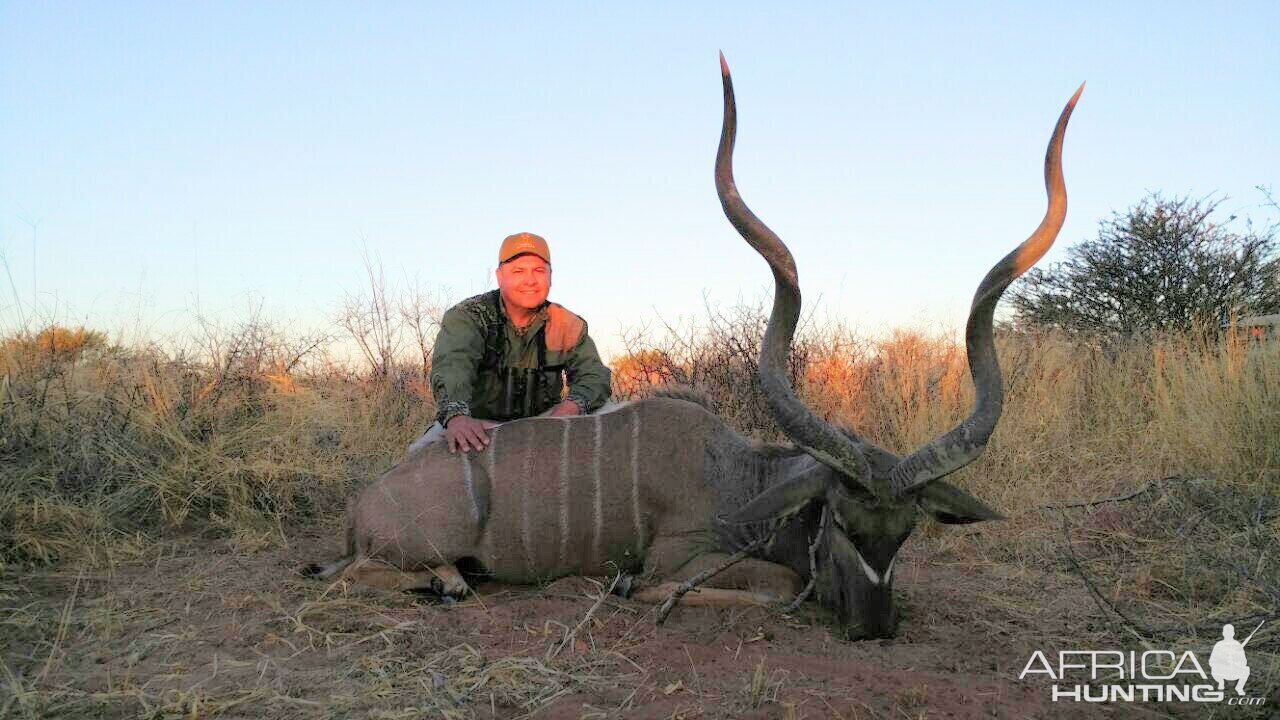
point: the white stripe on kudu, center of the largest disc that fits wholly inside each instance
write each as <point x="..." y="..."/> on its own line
<point x="466" y="480"/>
<point x="526" y="471"/>
<point x="488" y="457"/>
<point x="564" y="494"/>
<point x="597" y="554"/>
<point x="635" y="481"/>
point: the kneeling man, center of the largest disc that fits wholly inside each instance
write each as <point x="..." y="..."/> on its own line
<point x="501" y="355"/>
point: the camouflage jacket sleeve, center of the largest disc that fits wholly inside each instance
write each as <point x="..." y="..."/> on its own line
<point x="588" y="376"/>
<point x="455" y="363"/>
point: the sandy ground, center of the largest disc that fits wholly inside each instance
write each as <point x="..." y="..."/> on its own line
<point x="202" y="629"/>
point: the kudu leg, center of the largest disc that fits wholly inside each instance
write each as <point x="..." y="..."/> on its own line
<point x="442" y="579"/>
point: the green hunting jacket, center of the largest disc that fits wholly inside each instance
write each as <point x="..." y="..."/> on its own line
<point x="477" y="339"/>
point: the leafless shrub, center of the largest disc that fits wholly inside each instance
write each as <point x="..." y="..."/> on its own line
<point x="719" y="357"/>
<point x="371" y="320"/>
<point x="421" y="313"/>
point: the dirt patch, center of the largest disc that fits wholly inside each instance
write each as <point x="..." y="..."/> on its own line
<point x="199" y="630"/>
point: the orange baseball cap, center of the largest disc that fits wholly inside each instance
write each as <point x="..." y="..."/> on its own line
<point x="522" y="243"/>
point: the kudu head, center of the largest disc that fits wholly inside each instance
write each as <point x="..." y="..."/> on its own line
<point x="872" y="497"/>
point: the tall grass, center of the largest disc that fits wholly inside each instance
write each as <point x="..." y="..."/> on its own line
<point x="1080" y="420"/>
<point x="104" y="442"/>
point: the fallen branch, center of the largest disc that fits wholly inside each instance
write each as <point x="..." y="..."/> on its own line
<point x="813" y="567"/>
<point x="1183" y="531"/>
<point x="573" y="634"/>
<point x="1103" y="603"/>
<point x="738" y="556"/>
<point x="705" y="575"/>
<point x="1122" y="498"/>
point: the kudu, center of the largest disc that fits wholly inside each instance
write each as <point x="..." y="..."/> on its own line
<point x="664" y="487"/>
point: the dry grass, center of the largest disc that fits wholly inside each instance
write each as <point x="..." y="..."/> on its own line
<point x="252" y="644"/>
<point x="236" y="438"/>
<point x="108" y="452"/>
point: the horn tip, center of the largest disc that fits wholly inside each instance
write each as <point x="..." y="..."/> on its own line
<point x="1076" y="96"/>
<point x="724" y="66"/>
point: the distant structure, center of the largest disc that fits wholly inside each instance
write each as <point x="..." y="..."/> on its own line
<point x="1259" y="328"/>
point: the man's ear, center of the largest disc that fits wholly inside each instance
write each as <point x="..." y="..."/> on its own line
<point x="953" y="506"/>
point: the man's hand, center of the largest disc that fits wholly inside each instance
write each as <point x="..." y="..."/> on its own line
<point x="565" y="409"/>
<point x="466" y="432"/>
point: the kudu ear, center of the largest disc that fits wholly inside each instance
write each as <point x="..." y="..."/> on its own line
<point x="950" y="505"/>
<point x="784" y="498"/>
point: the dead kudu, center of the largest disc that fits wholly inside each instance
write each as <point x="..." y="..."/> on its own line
<point x="664" y="488"/>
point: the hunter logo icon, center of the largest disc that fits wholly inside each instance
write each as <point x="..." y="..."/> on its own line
<point x="1227" y="661"/>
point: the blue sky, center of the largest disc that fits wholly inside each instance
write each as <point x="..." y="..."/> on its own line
<point x="162" y="159"/>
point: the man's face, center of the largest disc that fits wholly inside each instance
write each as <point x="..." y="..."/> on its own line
<point x="524" y="281"/>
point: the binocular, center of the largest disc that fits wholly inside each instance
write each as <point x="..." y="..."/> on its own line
<point x="527" y="392"/>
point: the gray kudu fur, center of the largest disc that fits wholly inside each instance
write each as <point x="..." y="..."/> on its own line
<point x="664" y="487"/>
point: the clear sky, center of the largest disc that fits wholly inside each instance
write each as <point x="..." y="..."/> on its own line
<point x="159" y="159"/>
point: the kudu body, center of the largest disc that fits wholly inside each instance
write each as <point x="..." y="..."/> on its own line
<point x="665" y="488"/>
<point x="635" y="489"/>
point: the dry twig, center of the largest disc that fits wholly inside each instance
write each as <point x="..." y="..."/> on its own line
<point x="1121" y="498"/>
<point x="573" y="634"/>
<point x="706" y="575"/>
<point x="813" y="567"/>
<point x="1103" y="603"/>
